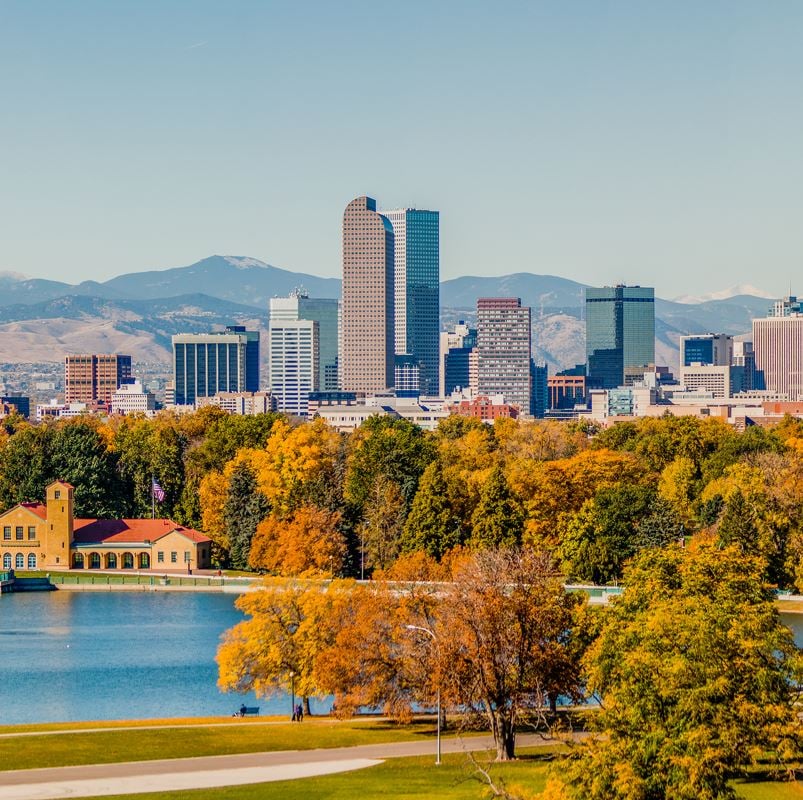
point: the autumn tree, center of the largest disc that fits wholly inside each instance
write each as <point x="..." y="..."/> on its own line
<point x="505" y="629"/>
<point x="304" y="542"/>
<point x="244" y="508"/>
<point x="696" y="678"/>
<point x="381" y="530"/>
<point x="287" y="624"/>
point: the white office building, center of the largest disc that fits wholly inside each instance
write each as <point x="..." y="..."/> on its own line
<point x="133" y="398"/>
<point x="293" y="347"/>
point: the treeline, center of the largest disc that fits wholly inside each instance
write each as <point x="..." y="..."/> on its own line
<point x="300" y="499"/>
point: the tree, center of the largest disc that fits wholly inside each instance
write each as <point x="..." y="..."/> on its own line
<point x="498" y="520"/>
<point x="431" y="525"/>
<point x="505" y="632"/>
<point x="306" y="542"/>
<point x="696" y="678"/>
<point x="285" y="629"/>
<point x="244" y="509"/>
<point x="381" y="530"/>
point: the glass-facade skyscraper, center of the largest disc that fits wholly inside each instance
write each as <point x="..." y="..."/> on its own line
<point x="620" y="333"/>
<point x="207" y="363"/>
<point x="417" y="289"/>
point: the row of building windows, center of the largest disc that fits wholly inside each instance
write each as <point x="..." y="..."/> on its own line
<point x="19" y="561"/>
<point x="19" y="532"/>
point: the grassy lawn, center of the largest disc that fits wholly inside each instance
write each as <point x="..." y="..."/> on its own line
<point x="114" y="744"/>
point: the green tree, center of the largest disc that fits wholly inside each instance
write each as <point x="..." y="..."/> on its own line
<point x="431" y="525"/>
<point x="696" y="677"/>
<point x="25" y="465"/>
<point x="381" y="530"/>
<point x="498" y="520"/>
<point x="244" y="509"/>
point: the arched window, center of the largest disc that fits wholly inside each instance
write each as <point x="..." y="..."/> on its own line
<point x="111" y="560"/>
<point x="20" y="561"/>
<point x="31" y="560"/>
<point x="144" y="561"/>
<point x="78" y="561"/>
<point x="128" y="561"/>
<point x="6" y="560"/>
<point x="94" y="561"/>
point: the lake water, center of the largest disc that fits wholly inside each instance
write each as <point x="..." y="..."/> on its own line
<point x="67" y="656"/>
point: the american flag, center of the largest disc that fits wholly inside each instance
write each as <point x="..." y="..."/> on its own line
<point x="158" y="492"/>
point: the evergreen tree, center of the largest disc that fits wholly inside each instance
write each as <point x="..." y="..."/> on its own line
<point x="244" y="509"/>
<point x="738" y="525"/>
<point x="498" y="520"/>
<point x="431" y="525"/>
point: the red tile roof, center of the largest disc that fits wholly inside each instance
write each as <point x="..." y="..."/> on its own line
<point x="89" y="531"/>
<point x="37" y="508"/>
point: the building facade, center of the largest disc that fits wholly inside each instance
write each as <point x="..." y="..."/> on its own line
<point x="710" y="350"/>
<point x="367" y="318"/>
<point x="294" y="363"/>
<point x="778" y="349"/>
<point x="133" y="398"/>
<point x="416" y="237"/>
<point x="48" y="536"/>
<point x="91" y="378"/>
<point x="620" y="333"/>
<point x="458" y="359"/>
<point x="504" y="350"/>
<point x="207" y="363"/>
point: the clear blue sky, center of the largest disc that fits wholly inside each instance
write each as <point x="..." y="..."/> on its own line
<point x="657" y="143"/>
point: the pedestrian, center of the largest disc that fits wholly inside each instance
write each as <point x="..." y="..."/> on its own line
<point x="299" y="712"/>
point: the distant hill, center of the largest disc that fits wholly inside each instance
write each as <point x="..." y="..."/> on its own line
<point x="40" y="320"/>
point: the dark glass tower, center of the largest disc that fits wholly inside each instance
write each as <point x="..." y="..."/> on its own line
<point x="417" y="289"/>
<point x="620" y="333"/>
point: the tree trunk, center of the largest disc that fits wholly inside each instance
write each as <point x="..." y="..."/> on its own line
<point x="443" y="719"/>
<point x="307" y="712"/>
<point x="553" y="703"/>
<point x="504" y="735"/>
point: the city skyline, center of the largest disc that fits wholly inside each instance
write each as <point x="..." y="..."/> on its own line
<point x="621" y="144"/>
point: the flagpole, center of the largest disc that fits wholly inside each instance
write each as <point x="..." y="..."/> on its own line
<point x="153" y="500"/>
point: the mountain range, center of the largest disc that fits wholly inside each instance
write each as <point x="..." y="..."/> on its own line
<point x="41" y="320"/>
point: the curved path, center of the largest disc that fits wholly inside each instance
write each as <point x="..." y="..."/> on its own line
<point x="135" y="777"/>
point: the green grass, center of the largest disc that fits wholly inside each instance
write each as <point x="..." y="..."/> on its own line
<point x="115" y="745"/>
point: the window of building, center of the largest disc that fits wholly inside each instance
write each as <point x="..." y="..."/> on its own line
<point x="173" y="557"/>
<point x="6" y="560"/>
<point x="31" y="531"/>
<point x="20" y="561"/>
<point x="160" y="557"/>
<point x="187" y="556"/>
<point x="57" y="494"/>
<point x="6" y="531"/>
<point x="31" y="560"/>
<point x="18" y="531"/>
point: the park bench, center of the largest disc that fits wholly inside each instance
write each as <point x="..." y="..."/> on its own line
<point x="248" y="711"/>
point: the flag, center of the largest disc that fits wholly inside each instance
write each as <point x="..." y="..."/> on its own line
<point x="157" y="491"/>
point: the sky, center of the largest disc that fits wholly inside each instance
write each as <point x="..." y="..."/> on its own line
<point x="602" y="141"/>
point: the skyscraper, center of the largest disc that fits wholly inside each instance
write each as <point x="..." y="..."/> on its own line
<point x="207" y="363"/>
<point x="707" y="349"/>
<point x="459" y="359"/>
<point x="620" y="333"/>
<point x="92" y="378"/>
<point x="416" y="235"/>
<point x="368" y="335"/>
<point x="503" y="344"/>
<point x="778" y="348"/>
<point x="300" y="306"/>
<point x="294" y="362"/>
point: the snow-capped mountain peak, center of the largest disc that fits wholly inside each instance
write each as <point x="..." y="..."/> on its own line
<point x="724" y="294"/>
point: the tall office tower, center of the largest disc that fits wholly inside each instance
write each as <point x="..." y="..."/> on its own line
<point x="407" y="376"/>
<point x="294" y="363"/>
<point x="94" y="378"/>
<point x="620" y="333"/>
<point x="458" y="359"/>
<point x="300" y="306"/>
<point x="708" y="350"/>
<point x="743" y="356"/>
<point x="367" y="321"/>
<point x="539" y="375"/>
<point x="778" y="348"/>
<point x="503" y="344"/>
<point x="416" y="236"/>
<point x="207" y="363"/>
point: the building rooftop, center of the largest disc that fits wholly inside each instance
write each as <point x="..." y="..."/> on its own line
<point x="90" y="531"/>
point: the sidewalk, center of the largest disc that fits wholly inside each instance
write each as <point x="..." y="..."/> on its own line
<point x="135" y="777"/>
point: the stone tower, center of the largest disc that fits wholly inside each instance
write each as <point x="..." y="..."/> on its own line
<point x="59" y="533"/>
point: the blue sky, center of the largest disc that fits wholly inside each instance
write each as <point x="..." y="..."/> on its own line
<point x="653" y="143"/>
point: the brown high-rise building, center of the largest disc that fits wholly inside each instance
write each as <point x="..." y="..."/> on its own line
<point x="367" y="337"/>
<point x="94" y="378"/>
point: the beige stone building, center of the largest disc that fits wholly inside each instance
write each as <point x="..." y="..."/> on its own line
<point x="367" y="317"/>
<point x="49" y="537"/>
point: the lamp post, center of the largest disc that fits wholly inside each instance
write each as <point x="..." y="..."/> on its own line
<point x="438" y="689"/>
<point x="292" y="695"/>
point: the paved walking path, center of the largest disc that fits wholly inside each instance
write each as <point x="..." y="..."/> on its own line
<point x="135" y="777"/>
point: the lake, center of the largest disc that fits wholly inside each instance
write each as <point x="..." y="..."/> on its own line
<point x="68" y="656"/>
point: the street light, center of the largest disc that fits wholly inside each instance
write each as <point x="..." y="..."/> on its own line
<point x="292" y="695"/>
<point x="438" y="689"/>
